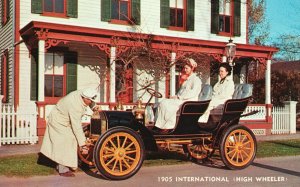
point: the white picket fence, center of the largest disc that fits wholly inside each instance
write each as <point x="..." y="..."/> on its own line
<point x="284" y="118"/>
<point x="17" y="126"/>
<point x="281" y="120"/>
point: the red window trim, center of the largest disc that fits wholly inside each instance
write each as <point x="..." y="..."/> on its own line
<point x="4" y="61"/>
<point x="121" y="22"/>
<point x="54" y="14"/>
<point x="4" y="18"/>
<point x="184" y="27"/>
<point x="177" y="28"/>
<point x="230" y="33"/>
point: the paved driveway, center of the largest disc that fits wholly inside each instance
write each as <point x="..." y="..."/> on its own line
<point x="273" y="172"/>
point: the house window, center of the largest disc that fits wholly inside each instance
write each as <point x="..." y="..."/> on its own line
<point x="226" y="17"/>
<point x="5" y="11"/>
<point x="54" y="75"/>
<point x="177" y="14"/>
<point x="121" y="11"/>
<point x="4" y="76"/>
<point x="56" y="8"/>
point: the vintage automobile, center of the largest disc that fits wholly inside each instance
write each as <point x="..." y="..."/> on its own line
<point x="120" y="139"/>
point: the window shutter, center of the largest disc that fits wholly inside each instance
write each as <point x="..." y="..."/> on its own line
<point x="190" y="15"/>
<point x="7" y="10"/>
<point x="34" y="76"/>
<point x="105" y="10"/>
<point x="71" y="65"/>
<point x="164" y="13"/>
<point x="215" y="16"/>
<point x="2" y="13"/>
<point x="237" y="18"/>
<point x="72" y="8"/>
<point x="36" y="6"/>
<point x="136" y="11"/>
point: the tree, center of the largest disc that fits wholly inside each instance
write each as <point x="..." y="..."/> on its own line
<point x="258" y="27"/>
<point x="289" y="45"/>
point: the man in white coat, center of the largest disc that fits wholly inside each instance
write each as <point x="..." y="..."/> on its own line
<point x="189" y="91"/>
<point x="64" y="130"/>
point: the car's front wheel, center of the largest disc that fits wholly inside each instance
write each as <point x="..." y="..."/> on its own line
<point x="238" y="147"/>
<point x="119" y="153"/>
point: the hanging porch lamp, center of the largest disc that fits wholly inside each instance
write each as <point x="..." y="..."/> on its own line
<point x="230" y="50"/>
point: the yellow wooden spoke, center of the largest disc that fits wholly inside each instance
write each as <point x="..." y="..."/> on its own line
<point x="108" y="155"/>
<point x="129" y="145"/>
<point x="113" y="144"/>
<point x="129" y="152"/>
<point x="124" y="142"/>
<point x="110" y="161"/>
<point x="118" y="140"/>
<point x="130" y="158"/>
<point x="120" y="163"/>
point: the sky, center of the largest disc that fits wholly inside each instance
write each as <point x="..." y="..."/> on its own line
<point x="283" y="17"/>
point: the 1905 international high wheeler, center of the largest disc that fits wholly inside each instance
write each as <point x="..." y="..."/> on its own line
<point x="120" y="139"/>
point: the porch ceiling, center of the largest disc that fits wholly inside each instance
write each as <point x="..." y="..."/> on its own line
<point x="54" y="33"/>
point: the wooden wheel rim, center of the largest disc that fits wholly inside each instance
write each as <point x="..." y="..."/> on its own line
<point x="197" y="151"/>
<point x="120" y="154"/>
<point x="239" y="147"/>
<point x="88" y="158"/>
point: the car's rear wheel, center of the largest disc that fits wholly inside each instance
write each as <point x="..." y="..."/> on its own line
<point x="119" y="153"/>
<point x="238" y="147"/>
<point x="196" y="151"/>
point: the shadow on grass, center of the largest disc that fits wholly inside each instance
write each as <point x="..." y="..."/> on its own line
<point x="288" y="143"/>
<point x="45" y="161"/>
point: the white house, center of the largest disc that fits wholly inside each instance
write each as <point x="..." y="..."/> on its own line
<point x="49" y="48"/>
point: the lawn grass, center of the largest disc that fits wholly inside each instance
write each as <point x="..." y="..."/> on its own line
<point x="26" y="165"/>
<point x="278" y="148"/>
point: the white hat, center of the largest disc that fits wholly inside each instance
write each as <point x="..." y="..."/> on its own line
<point x="192" y="62"/>
<point x="89" y="93"/>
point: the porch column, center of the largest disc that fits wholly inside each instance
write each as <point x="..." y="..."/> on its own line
<point x="112" y="79"/>
<point x="173" y="75"/>
<point x="268" y="82"/>
<point x="291" y="105"/>
<point x="41" y="70"/>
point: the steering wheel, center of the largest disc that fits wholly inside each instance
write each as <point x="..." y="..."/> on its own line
<point x="154" y="93"/>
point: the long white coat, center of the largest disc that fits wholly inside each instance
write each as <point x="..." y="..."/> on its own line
<point x="221" y="93"/>
<point x="64" y="131"/>
<point x="167" y="108"/>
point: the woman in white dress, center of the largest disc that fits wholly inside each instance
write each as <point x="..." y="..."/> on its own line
<point x="189" y="91"/>
<point x="222" y="91"/>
